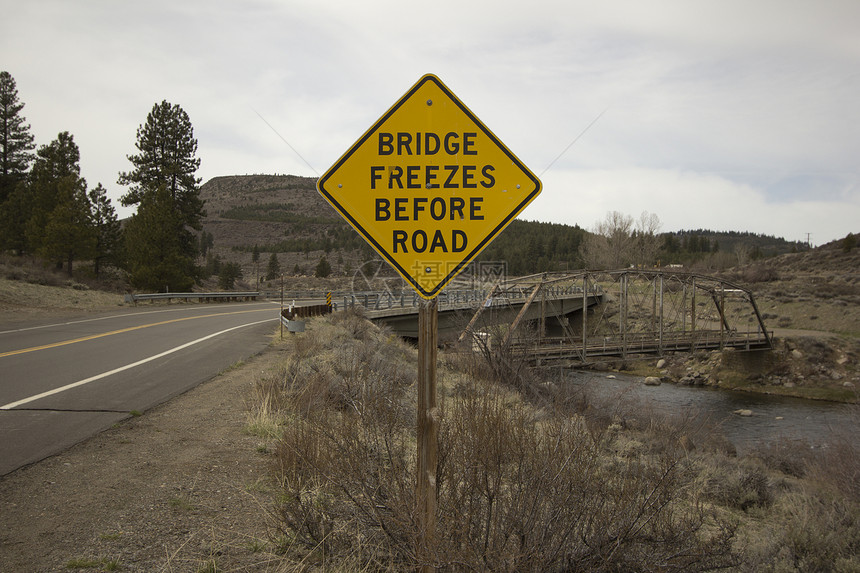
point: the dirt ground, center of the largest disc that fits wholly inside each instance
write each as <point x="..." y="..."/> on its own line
<point x="179" y="488"/>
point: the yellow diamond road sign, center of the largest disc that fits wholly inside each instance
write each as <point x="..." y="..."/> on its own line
<point x="429" y="186"/>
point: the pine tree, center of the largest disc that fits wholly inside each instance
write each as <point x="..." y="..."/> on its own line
<point x="14" y="213"/>
<point x="68" y="235"/>
<point x="167" y="160"/>
<point x="207" y="241"/>
<point x="274" y="268"/>
<point x="323" y="268"/>
<point x="55" y="182"/>
<point x="106" y="228"/>
<point x="228" y="275"/>
<point x="154" y="252"/>
<point x="16" y="141"/>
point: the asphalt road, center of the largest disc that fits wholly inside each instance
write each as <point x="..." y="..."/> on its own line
<point x="62" y="383"/>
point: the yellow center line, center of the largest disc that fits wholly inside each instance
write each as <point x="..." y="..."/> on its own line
<point x="122" y="330"/>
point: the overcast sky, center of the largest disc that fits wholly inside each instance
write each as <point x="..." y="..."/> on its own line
<point x="736" y="115"/>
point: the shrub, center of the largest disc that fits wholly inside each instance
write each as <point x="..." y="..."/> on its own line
<point x="519" y="488"/>
<point x="759" y="273"/>
<point x="789" y="457"/>
<point x="817" y="532"/>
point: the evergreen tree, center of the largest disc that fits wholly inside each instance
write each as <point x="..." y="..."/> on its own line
<point x="670" y="244"/>
<point x="55" y="183"/>
<point x="323" y="268"/>
<point x="14" y="213"/>
<point x="68" y="235"/>
<point x="274" y="268"/>
<point x="167" y="161"/>
<point x="213" y="265"/>
<point x="255" y="254"/>
<point x="16" y="141"/>
<point x="155" y="257"/>
<point x="106" y="228"/>
<point x="228" y="275"/>
<point x="207" y="241"/>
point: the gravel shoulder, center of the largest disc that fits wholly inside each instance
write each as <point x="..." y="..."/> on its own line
<point x="180" y="488"/>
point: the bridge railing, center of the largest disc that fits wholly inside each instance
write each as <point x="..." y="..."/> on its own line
<point x="378" y="300"/>
<point x="187" y="296"/>
<point x="408" y="299"/>
<point x="372" y="300"/>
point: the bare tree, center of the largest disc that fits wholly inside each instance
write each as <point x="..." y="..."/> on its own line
<point x="609" y="245"/>
<point x="646" y="242"/>
<point x="618" y="241"/>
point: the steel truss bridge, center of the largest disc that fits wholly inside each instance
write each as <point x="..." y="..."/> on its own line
<point x="630" y="312"/>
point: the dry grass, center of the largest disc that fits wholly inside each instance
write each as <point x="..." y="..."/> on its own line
<point x="530" y="476"/>
<point x="68" y="296"/>
<point x="31" y="290"/>
<point x="522" y="484"/>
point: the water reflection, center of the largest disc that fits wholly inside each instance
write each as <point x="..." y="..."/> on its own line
<point x="774" y="418"/>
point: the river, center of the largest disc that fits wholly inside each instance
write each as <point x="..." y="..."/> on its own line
<point x="773" y="419"/>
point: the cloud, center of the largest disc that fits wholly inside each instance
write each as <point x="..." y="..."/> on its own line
<point x="688" y="200"/>
<point x="752" y="101"/>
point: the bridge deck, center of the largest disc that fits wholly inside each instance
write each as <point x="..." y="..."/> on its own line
<point x="561" y="351"/>
<point x="454" y="314"/>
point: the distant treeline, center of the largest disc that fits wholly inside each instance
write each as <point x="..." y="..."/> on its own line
<point x="533" y="247"/>
<point x="526" y="246"/>
<point x="687" y="246"/>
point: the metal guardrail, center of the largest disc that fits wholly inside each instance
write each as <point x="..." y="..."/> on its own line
<point x="187" y="296"/>
<point x="292" y="318"/>
<point x="298" y="312"/>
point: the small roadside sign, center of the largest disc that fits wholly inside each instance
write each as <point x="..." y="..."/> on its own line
<point x="429" y="186"/>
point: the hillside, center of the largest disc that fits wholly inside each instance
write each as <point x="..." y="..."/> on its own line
<point x="813" y="290"/>
<point x="284" y="214"/>
<point x="264" y="210"/>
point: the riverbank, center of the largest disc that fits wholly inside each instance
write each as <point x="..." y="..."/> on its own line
<point x="812" y="366"/>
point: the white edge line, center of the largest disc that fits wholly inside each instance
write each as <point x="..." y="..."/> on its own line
<point x="23" y="401"/>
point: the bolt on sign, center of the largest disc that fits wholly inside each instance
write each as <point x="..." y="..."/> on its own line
<point x="429" y="186"/>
